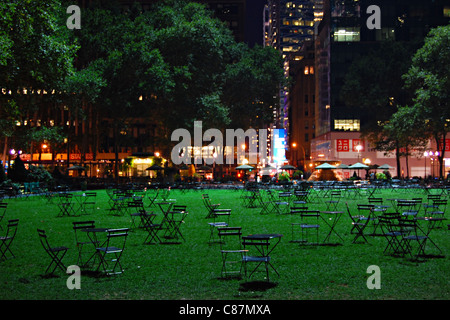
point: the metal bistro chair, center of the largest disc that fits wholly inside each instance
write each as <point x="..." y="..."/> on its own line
<point x="260" y="253"/>
<point x="359" y="224"/>
<point x="139" y="213"/>
<point x="5" y="241"/>
<point x="210" y="207"/>
<point x="56" y="253"/>
<point x="231" y="251"/>
<point x="111" y="253"/>
<point x="309" y="222"/>
<point x="335" y="197"/>
<point x="223" y="214"/>
<point x="65" y="204"/>
<point x="415" y="241"/>
<point x="90" y="202"/>
<point x="176" y="218"/>
<point x="393" y="232"/>
<point x="438" y="211"/>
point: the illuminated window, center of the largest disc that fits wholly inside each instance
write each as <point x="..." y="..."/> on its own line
<point x="447" y="12"/>
<point x="346" y="34"/>
<point x="347" y="124"/>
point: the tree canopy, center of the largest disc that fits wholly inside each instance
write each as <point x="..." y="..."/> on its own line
<point x="429" y="78"/>
<point x="169" y="66"/>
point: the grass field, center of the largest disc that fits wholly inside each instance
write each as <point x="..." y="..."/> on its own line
<point x="191" y="269"/>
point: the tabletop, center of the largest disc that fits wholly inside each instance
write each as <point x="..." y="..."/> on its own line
<point x="263" y="236"/>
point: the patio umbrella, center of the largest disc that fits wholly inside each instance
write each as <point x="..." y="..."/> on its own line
<point x="325" y="166"/>
<point x="155" y="167"/>
<point x="385" y="166"/>
<point x="288" y="167"/>
<point x="244" y="167"/>
<point x="342" y="166"/>
<point x="76" y="167"/>
<point x="184" y="167"/>
<point x="205" y="168"/>
<point x="358" y="165"/>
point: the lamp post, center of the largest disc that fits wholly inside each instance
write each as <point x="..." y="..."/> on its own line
<point x="358" y="148"/>
<point x="44" y="150"/>
<point x="367" y="163"/>
<point x="425" y="155"/>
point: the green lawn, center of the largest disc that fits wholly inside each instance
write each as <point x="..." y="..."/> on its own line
<point x="191" y="270"/>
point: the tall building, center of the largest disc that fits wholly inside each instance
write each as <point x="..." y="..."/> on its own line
<point x="342" y="36"/>
<point x="302" y="96"/>
<point x="287" y="26"/>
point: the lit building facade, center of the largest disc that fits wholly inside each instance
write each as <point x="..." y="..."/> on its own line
<point x="343" y="36"/>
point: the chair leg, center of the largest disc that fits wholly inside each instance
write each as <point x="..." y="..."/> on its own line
<point x="56" y="261"/>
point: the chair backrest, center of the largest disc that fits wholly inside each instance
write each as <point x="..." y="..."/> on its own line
<point x="230" y="238"/>
<point x="261" y="244"/>
<point x="80" y="225"/>
<point x="350" y="213"/>
<point x="177" y="207"/>
<point x="410" y="226"/>
<point x="77" y="225"/>
<point x="117" y="238"/>
<point x="136" y="203"/>
<point x="284" y="194"/>
<point x="440" y="202"/>
<point x="336" y="193"/>
<point x="376" y="200"/>
<point x="12" y="228"/>
<point x="365" y="206"/>
<point x="44" y="239"/>
<point x="301" y="209"/>
<point x="309" y="215"/>
<point x="433" y="196"/>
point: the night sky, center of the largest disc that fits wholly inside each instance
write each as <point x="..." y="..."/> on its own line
<point x="254" y="22"/>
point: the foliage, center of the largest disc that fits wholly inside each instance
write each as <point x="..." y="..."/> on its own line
<point x="39" y="174"/>
<point x="36" y="55"/>
<point x="297" y="174"/>
<point x="380" y="176"/>
<point x="374" y="86"/>
<point x="250" y="83"/>
<point x="284" y="176"/>
<point x="429" y="78"/>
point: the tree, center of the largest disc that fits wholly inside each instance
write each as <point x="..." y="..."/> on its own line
<point x="170" y="66"/>
<point x="429" y="77"/>
<point x="374" y="86"/>
<point x="36" y="55"/>
<point x="402" y="133"/>
<point x="250" y="85"/>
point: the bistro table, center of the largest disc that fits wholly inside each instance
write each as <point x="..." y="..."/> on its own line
<point x="80" y="200"/>
<point x="165" y="206"/>
<point x="335" y="217"/>
<point x="92" y="234"/>
<point x="264" y="247"/>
